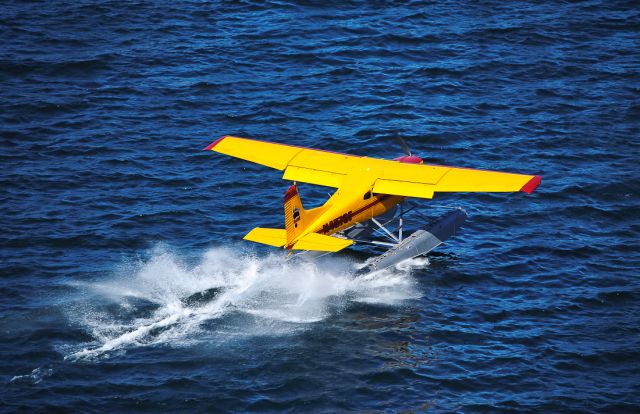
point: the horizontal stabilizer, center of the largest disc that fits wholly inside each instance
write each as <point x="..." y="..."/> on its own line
<point x="315" y="241"/>
<point x="272" y="237"/>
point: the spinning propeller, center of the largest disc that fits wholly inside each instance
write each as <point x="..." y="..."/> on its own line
<point x="409" y="157"/>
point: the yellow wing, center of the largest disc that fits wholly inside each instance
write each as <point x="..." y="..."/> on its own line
<point x="387" y="176"/>
<point x="299" y="164"/>
<point x="422" y="180"/>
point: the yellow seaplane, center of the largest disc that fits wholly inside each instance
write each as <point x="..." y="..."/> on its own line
<point x="367" y="189"/>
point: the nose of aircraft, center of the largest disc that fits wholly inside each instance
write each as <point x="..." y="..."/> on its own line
<point x="409" y="159"/>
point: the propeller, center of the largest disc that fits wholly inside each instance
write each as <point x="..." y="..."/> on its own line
<point x="403" y="144"/>
<point x="408" y="157"/>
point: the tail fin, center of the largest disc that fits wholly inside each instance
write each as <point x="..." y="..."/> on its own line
<point x="293" y="213"/>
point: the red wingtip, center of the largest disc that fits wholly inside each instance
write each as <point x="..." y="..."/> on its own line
<point x="531" y="185"/>
<point x="214" y="143"/>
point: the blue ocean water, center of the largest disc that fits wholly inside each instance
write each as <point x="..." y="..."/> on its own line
<point x="112" y="215"/>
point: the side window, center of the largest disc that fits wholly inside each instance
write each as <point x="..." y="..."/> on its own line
<point x="367" y="195"/>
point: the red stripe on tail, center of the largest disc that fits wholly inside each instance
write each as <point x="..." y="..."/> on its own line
<point x="291" y="192"/>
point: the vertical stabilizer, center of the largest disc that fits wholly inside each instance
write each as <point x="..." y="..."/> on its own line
<point x="293" y="213"/>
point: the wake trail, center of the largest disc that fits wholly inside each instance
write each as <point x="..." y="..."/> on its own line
<point x="163" y="301"/>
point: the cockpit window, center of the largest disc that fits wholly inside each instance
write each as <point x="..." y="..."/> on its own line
<point x="367" y="195"/>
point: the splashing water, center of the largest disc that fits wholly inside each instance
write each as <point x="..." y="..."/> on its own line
<point x="164" y="301"/>
<point x="35" y="377"/>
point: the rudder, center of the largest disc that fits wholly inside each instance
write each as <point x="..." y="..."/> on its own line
<point x="293" y="213"/>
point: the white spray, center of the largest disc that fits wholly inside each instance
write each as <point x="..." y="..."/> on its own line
<point x="165" y="301"/>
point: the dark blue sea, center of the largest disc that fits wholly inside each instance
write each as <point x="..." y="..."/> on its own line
<point x="125" y="283"/>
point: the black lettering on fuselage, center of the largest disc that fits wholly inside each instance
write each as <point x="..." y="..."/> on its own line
<point x="337" y="222"/>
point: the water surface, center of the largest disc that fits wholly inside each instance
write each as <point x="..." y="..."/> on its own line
<point x="125" y="284"/>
